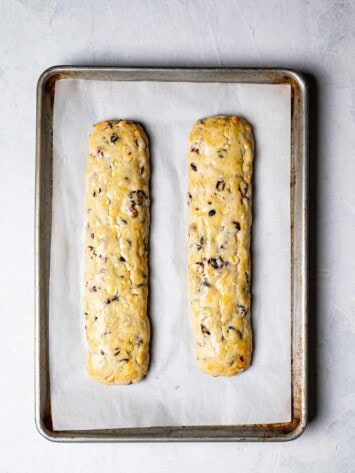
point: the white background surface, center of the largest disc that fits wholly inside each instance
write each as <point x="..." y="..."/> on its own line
<point x="314" y="36"/>
<point x="175" y="392"/>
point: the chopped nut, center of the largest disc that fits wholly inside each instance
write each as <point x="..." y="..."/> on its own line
<point x="241" y="310"/>
<point x="221" y="153"/>
<point x="216" y="263"/>
<point x="220" y="186"/>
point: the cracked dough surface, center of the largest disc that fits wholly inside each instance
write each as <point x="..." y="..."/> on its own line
<point x="219" y="197"/>
<point x="116" y="253"/>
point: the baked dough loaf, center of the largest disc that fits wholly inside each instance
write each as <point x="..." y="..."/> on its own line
<point x="219" y="198"/>
<point x="116" y="253"/>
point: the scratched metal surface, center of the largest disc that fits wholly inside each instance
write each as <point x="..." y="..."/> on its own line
<point x="298" y="227"/>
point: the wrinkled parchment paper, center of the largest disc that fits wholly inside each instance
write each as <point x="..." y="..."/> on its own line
<point x="174" y="392"/>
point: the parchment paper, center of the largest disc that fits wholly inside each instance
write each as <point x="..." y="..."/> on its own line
<point x="174" y="392"/>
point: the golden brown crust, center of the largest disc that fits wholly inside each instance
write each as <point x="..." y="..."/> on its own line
<point x="219" y="196"/>
<point x="116" y="253"/>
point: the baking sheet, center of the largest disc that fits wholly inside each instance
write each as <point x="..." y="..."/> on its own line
<point x="174" y="392"/>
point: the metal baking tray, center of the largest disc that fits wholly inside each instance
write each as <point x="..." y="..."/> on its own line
<point x="298" y="251"/>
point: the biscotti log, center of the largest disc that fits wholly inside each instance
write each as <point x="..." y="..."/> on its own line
<point x="219" y="197"/>
<point x="116" y="253"/>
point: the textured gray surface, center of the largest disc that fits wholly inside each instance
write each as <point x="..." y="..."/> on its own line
<point x="314" y="37"/>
